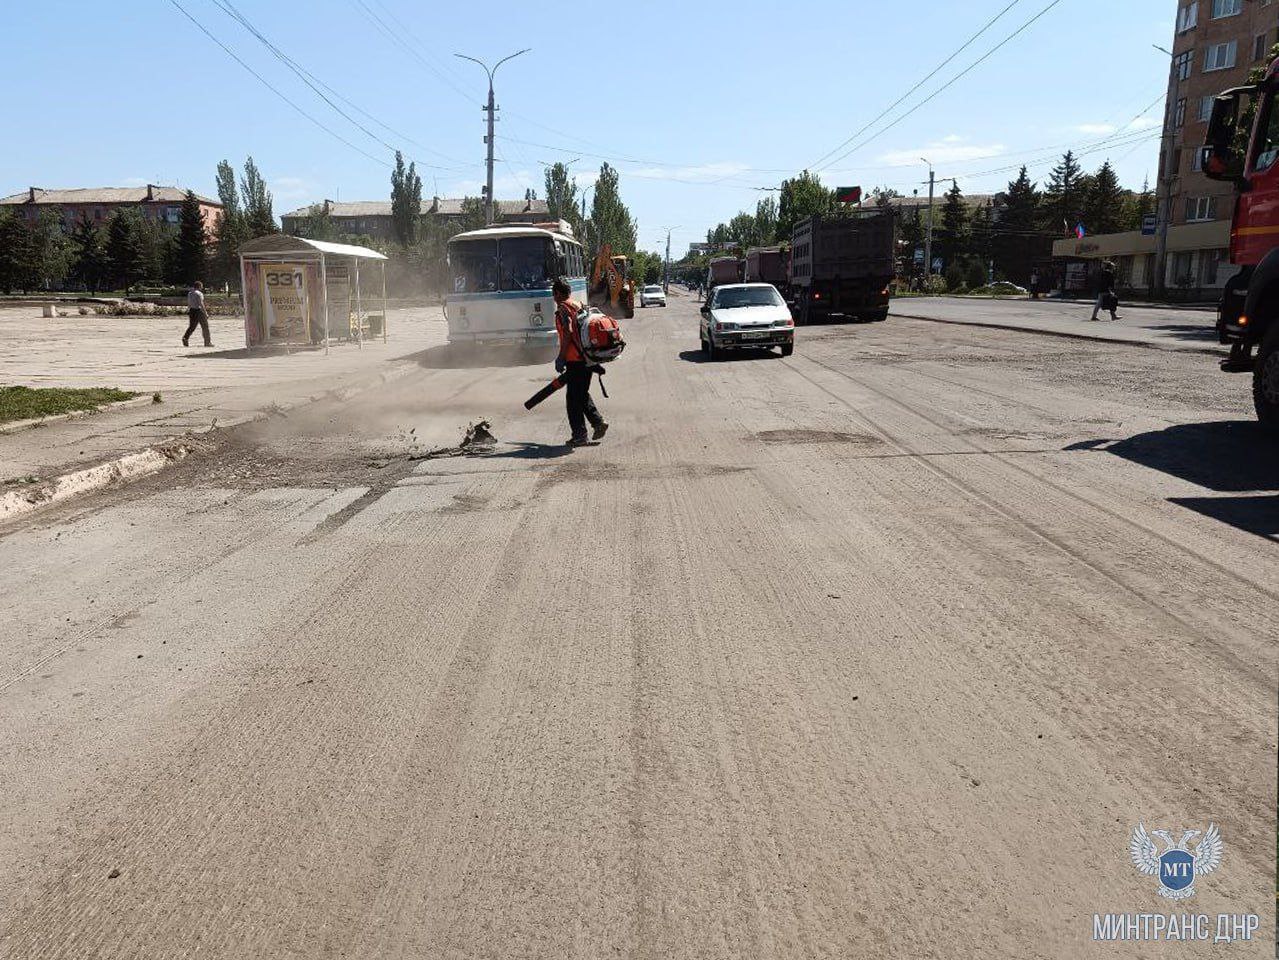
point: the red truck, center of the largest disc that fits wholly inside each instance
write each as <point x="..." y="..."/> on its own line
<point x="723" y="270"/>
<point x="768" y="265"/>
<point x="1243" y="148"/>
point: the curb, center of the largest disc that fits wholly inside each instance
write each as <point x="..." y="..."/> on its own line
<point x="1147" y="345"/>
<point x="155" y="457"/>
<point x="15" y="426"/>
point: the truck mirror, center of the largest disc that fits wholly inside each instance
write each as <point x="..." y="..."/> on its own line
<point x="1222" y="156"/>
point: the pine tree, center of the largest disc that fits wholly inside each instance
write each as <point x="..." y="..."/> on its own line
<point x="192" y="241"/>
<point x="1017" y="241"/>
<point x="954" y="220"/>
<point x="15" y="252"/>
<point x="406" y="201"/>
<point x="1062" y="196"/>
<point x="1103" y="205"/>
<point x="127" y="253"/>
<point x="231" y="231"/>
<point x="88" y="258"/>
<point x="259" y="219"/>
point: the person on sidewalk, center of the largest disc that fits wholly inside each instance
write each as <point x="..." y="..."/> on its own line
<point x="197" y="314"/>
<point x="1106" y="298"/>
<point x="571" y="362"/>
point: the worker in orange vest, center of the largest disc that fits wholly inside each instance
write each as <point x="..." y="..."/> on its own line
<point x="571" y="362"/>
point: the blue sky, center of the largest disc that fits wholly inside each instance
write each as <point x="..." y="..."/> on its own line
<point x="697" y="105"/>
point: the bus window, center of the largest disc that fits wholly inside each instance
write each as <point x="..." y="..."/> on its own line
<point x="524" y="263"/>
<point x="474" y="266"/>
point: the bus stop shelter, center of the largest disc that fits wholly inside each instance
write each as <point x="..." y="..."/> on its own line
<point x="309" y="293"/>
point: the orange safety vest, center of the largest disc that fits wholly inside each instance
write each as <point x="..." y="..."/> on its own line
<point x="565" y="314"/>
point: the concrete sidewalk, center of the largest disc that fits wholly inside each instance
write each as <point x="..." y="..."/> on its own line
<point x="201" y="389"/>
<point x="1165" y="327"/>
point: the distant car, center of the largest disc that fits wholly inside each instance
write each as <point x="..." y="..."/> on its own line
<point x="746" y="316"/>
<point x="653" y="296"/>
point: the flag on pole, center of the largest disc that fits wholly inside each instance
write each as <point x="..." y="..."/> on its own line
<point x="1080" y="232"/>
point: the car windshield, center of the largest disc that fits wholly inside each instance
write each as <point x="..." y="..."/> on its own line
<point x="653" y="289"/>
<point x="474" y="265"/>
<point x="747" y="297"/>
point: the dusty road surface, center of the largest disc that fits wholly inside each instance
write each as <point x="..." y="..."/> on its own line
<point x="881" y="650"/>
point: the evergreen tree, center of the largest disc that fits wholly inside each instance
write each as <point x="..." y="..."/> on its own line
<point x="561" y="196"/>
<point x="1103" y="205"/>
<point x="610" y="222"/>
<point x="88" y="260"/>
<point x="1138" y="207"/>
<point x="15" y="252"/>
<point x="406" y="201"/>
<point x="49" y="259"/>
<point x="954" y="224"/>
<point x="258" y="215"/>
<point x="1063" y="197"/>
<point x="127" y="253"/>
<point x="192" y="241"/>
<point x="981" y="236"/>
<point x="231" y="231"/>
<point x="801" y="197"/>
<point x="1016" y="240"/>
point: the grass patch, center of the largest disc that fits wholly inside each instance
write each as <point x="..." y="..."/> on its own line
<point x="25" y="403"/>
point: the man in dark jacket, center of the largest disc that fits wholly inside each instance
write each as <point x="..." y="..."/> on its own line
<point x="577" y="372"/>
<point x="1106" y="299"/>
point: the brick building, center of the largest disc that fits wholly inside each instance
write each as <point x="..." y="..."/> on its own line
<point x="161" y="204"/>
<point x="372" y="218"/>
<point x="1215" y="45"/>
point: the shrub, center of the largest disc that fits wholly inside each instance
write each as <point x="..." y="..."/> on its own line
<point x="954" y="277"/>
<point x="976" y="273"/>
<point x="933" y="285"/>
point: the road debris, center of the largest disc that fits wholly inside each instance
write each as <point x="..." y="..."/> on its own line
<point x="477" y="442"/>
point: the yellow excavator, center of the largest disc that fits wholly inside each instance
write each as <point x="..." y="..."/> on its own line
<point x="612" y="290"/>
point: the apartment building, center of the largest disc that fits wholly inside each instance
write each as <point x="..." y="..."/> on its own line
<point x="1216" y="44"/>
<point x="99" y="204"/>
<point x="373" y="217"/>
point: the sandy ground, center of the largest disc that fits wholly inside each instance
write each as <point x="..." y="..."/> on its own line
<point x="881" y="650"/>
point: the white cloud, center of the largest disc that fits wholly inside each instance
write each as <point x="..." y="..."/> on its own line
<point x="947" y="150"/>
<point x="291" y="190"/>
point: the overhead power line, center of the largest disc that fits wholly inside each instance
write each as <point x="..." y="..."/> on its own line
<point x="231" y="53"/>
<point x="936" y="70"/>
<point x="948" y="84"/>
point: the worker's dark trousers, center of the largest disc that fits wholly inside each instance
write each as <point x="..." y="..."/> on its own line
<point x="581" y="408"/>
<point x="198" y="319"/>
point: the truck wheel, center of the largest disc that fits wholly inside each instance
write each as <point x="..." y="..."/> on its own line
<point x="1265" y="379"/>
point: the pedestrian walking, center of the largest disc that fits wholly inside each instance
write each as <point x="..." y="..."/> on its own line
<point x="1106" y="298"/>
<point x="1034" y="284"/>
<point x="572" y="364"/>
<point x="198" y="315"/>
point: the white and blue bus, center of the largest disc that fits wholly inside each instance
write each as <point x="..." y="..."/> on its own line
<point x="501" y="283"/>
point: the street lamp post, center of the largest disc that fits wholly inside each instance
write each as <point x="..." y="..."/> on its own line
<point x="666" y="270"/>
<point x="928" y="241"/>
<point x="491" y="110"/>
<point x="1159" y="281"/>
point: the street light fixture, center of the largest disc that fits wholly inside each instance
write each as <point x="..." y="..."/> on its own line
<point x="491" y="110"/>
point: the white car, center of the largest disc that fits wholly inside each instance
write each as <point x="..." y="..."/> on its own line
<point x="653" y="296"/>
<point x="746" y="316"/>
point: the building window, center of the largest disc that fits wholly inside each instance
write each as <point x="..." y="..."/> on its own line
<point x="1226" y="8"/>
<point x="1221" y="56"/>
<point x="1196" y="160"/>
<point x="1205" y="109"/>
<point x="1182" y="63"/>
<point x="1201" y="209"/>
<point x="1188" y="17"/>
<point x="1209" y="264"/>
<point x="1179" y="114"/>
<point x="1259" y="47"/>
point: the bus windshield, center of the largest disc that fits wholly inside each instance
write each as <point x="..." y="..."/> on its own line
<point x="524" y="263"/>
<point x="474" y="266"/>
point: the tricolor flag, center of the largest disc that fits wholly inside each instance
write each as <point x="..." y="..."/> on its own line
<point x="1080" y="232"/>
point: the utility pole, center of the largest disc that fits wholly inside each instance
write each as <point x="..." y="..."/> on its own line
<point x="928" y="240"/>
<point x="666" y="271"/>
<point x="491" y="110"/>
<point x="1159" y="281"/>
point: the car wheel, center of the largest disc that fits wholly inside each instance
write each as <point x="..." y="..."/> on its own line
<point x="788" y="349"/>
<point x="1265" y="379"/>
<point x="711" y="353"/>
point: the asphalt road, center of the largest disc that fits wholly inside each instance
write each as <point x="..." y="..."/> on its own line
<point x="881" y="650"/>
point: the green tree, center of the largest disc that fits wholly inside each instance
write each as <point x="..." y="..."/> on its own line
<point x="258" y="215"/>
<point x="15" y="252"/>
<point x="128" y="253"/>
<point x="231" y="231"/>
<point x="561" y="196"/>
<point x="610" y="221"/>
<point x="1017" y="239"/>
<point x="954" y="224"/>
<point x="743" y="230"/>
<point x="1138" y="207"/>
<point x="1063" y="196"/>
<point x="802" y="196"/>
<point x="981" y="235"/>
<point x="318" y="224"/>
<point x="766" y="220"/>
<point x="192" y="241"/>
<point x="88" y="258"/>
<point x="1103" y="204"/>
<point x="406" y="200"/>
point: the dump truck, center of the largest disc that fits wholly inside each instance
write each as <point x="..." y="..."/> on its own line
<point x="842" y="265"/>
<point x="724" y="270"/>
<point x="769" y="265"/>
<point x="1243" y="148"/>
